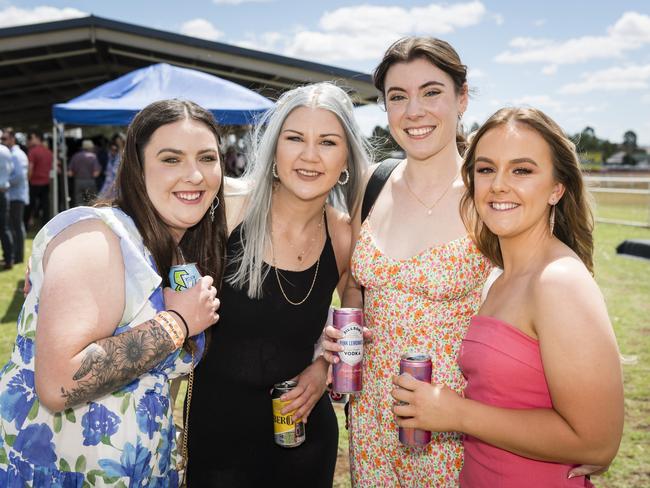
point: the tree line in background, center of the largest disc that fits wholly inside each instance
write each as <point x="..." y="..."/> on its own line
<point x="592" y="149"/>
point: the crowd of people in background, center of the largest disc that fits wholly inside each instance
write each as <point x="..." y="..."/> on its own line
<point x="14" y="191"/>
<point x="25" y="177"/>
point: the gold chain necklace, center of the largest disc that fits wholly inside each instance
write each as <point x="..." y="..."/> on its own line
<point x="302" y="254"/>
<point x="277" y="274"/>
<point x="417" y="198"/>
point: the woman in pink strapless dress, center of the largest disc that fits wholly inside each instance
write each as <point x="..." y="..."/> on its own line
<point x="503" y="367"/>
<point x="544" y="388"/>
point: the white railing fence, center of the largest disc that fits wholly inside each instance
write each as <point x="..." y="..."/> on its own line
<point x="621" y="199"/>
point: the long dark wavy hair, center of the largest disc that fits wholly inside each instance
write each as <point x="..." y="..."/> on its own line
<point x="439" y="53"/>
<point x="205" y="242"/>
<point x="574" y="222"/>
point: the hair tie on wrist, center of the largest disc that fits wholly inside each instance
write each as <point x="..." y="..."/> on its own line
<point x="187" y="329"/>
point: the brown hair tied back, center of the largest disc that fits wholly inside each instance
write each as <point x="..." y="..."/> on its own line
<point x="437" y="52"/>
<point x="574" y="221"/>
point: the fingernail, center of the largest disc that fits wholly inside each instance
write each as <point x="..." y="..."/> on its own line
<point x="571" y="475"/>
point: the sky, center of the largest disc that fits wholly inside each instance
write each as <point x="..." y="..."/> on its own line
<point x="585" y="63"/>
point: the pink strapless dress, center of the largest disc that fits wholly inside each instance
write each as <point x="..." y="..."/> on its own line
<point x="503" y="367"/>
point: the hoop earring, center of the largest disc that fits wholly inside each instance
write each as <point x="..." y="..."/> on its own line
<point x="274" y="171"/>
<point x="213" y="207"/>
<point x="551" y="219"/>
<point x="347" y="177"/>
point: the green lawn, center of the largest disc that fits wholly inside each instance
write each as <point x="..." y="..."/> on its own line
<point x="626" y="285"/>
<point x="625" y="207"/>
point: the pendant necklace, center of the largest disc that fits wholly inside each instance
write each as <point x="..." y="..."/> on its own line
<point x="429" y="208"/>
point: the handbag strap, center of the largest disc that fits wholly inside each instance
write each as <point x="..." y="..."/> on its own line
<point x="181" y="464"/>
<point x="376" y="182"/>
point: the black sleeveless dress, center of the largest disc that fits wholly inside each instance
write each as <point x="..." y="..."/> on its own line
<point x="255" y="344"/>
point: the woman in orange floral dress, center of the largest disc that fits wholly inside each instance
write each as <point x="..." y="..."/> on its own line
<point x="422" y="274"/>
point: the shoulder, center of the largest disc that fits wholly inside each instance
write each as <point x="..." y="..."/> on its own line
<point x="340" y="230"/>
<point x="88" y="242"/>
<point x="236" y="193"/>
<point x="109" y="221"/>
<point x="235" y="186"/>
<point x="564" y="283"/>
<point x="373" y="167"/>
<point x="369" y="171"/>
<point x="338" y="222"/>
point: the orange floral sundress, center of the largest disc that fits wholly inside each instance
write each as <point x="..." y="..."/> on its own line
<point x="422" y="303"/>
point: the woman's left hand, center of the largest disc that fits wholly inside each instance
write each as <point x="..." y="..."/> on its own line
<point x="425" y="406"/>
<point x="311" y="386"/>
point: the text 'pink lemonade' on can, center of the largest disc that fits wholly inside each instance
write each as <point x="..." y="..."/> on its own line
<point x="346" y="373"/>
<point x="419" y="366"/>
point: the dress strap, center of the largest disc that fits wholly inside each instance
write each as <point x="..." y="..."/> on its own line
<point x="375" y="184"/>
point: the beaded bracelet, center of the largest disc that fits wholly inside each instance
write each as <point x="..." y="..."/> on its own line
<point x="171" y="326"/>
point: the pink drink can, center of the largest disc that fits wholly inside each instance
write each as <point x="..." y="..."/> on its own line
<point x="346" y="373"/>
<point x="419" y="366"/>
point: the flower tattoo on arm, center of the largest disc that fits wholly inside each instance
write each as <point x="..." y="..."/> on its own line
<point x="111" y="363"/>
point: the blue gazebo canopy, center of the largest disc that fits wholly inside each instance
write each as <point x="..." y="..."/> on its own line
<point x="116" y="102"/>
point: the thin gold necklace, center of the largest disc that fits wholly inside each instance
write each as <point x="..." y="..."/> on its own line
<point x="417" y="198"/>
<point x="277" y="274"/>
<point x="305" y="252"/>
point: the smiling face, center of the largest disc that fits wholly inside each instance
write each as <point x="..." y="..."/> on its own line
<point x="423" y="107"/>
<point x="513" y="180"/>
<point x="311" y="152"/>
<point x="182" y="173"/>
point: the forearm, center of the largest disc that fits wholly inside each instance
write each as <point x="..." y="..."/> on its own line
<point x="541" y="434"/>
<point x="108" y="364"/>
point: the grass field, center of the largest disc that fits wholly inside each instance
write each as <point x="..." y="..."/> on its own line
<point x="625" y="207"/>
<point x="625" y="283"/>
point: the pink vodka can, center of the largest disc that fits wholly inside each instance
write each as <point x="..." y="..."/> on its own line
<point x="346" y="373"/>
<point x="419" y="366"/>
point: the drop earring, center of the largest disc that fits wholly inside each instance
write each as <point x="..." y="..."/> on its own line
<point x="213" y="207"/>
<point x="551" y="218"/>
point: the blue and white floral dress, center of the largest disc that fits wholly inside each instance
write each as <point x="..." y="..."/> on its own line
<point x="126" y="438"/>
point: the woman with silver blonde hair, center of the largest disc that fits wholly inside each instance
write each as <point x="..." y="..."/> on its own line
<point x="288" y="250"/>
<point x="260" y="175"/>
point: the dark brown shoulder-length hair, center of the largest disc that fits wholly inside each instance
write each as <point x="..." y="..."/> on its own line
<point x="205" y="242"/>
<point x="438" y="52"/>
<point x="574" y="221"/>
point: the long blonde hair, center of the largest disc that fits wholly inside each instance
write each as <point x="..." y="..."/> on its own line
<point x="574" y="221"/>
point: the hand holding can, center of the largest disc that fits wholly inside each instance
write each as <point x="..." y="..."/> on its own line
<point x="287" y="431"/>
<point x="419" y="366"/>
<point x="192" y="296"/>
